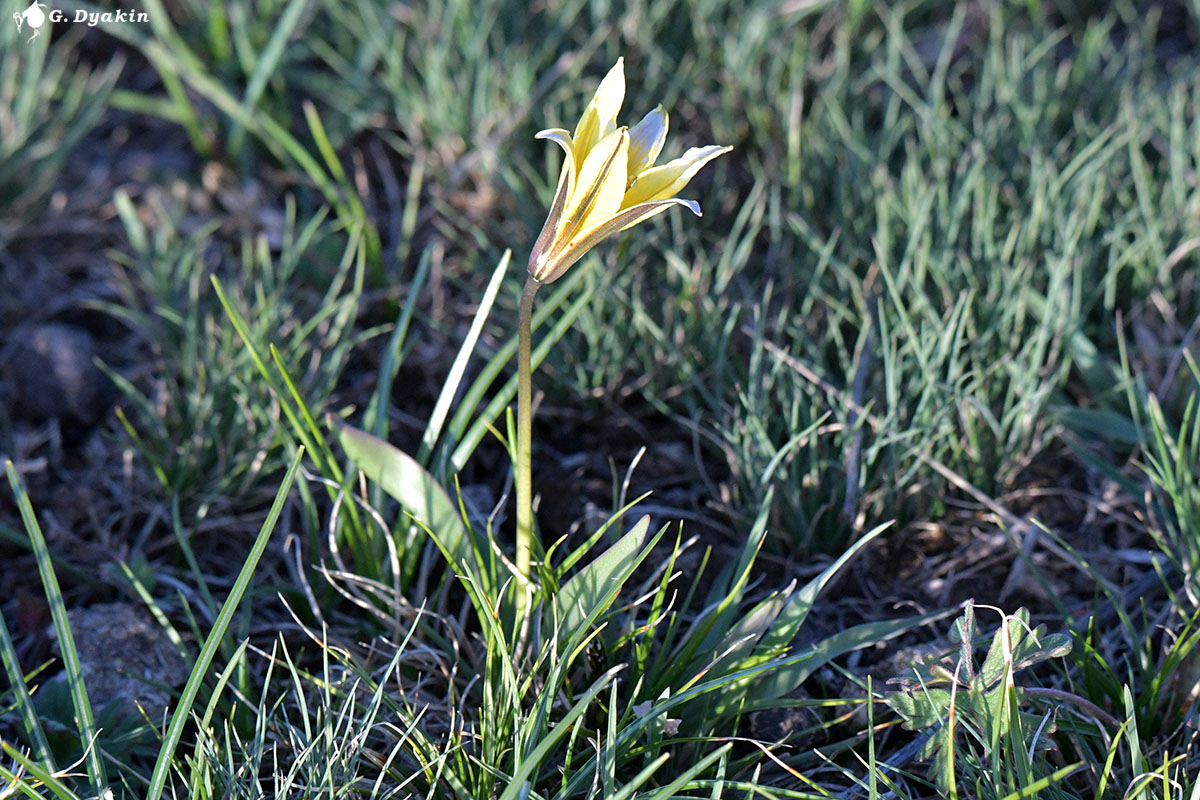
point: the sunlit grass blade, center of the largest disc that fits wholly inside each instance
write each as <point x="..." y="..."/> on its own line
<point x="66" y="641"/>
<point x="183" y="708"/>
<point x="466" y="350"/>
<point x="24" y="700"/>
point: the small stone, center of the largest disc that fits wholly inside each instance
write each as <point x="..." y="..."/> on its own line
<point x="54" y="375"/>
<point x="127" y="660"/>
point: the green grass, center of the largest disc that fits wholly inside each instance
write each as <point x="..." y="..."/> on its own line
<point x="952" y="243"/>
<point x="48" y="103"/>
<point x="207" y="428"/>
<point x="950" y="225"/>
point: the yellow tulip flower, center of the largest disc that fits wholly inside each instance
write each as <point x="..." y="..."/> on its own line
<point x="608" y="181"/>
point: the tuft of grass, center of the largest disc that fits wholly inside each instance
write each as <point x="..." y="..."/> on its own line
<point x="207" y="428"/>
<point x="96" y="749"/>
<point x="600" y="655"/>
<point x="48" y="104"/>
<point x="1172" y="456"/>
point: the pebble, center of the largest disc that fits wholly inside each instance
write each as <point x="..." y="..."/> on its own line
<point x="53" y="373"/>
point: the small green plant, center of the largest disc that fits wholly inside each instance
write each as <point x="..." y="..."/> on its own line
<point x="206" y="426"/>
<point x="599" y="653"/>
<point x="979" y="732"/>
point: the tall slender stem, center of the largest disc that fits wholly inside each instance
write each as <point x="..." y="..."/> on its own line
<point x="524" y="477"/>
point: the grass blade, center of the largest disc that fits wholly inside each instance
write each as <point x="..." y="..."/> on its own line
<point x="16" y="679"/>
<point x="66" y="642"/>
<point x="162" y="766"/>
<point x="450" y="388"/>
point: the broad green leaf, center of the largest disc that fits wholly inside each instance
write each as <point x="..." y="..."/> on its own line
<point x="1024" y="648"/>
<point x="596" y="585"/>
<point x="779" y="682"/>
<point x="750" y="629"/>
<point x="923" y="709"/>
<point x="411" y="485"/>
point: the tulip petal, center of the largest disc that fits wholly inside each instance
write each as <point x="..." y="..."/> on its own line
<point x="600" y="117"/>
<point x="551" y="225"/>
<point x="566" y="181"/>
<point x="563" y="139"/>
<point x="600" y="186"/>
<point x="626" y="218"/>
<point x="646" y="141"/>
<point x="644" y="211"/>
<point x="660" y="183"/>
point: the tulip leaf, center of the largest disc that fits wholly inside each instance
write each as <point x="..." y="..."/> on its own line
<point x="801" y="602"/>
<point x="593" y="588"/>
<point x="421" y="496"/>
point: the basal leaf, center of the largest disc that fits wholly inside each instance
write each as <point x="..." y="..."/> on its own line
<point x="595" y="586"/>
<point x="412" y="486"/>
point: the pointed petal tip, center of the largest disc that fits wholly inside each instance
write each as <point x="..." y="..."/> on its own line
<point x="563" y="139"/>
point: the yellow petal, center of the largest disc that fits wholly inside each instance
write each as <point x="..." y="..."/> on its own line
<point x="646" y="141"/>
<point x="661" y="183"/>
<point x="563" y="139"/>
<point x="600" y="117"/>
<point x="600" y="186"/>
<point x="644" y="211"/>
<point x="553" y="268"/>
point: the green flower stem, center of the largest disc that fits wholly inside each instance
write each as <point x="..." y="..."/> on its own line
<point x="524" y="476"/>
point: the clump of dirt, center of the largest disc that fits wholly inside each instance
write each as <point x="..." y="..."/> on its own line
<point x="127" y="660"/>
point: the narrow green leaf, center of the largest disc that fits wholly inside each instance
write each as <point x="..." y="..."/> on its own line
<point x="441" y="408"/>
<point x="266" y="67"/>
<point x="519" y="783"/>
<point x="39" y="773"/>
<point x="66" y="642"/>
<point x="24" y="701"/>
<point x="179" y="718"/>
<point x="376" y="418"/>
<point x="792" y="617"/>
